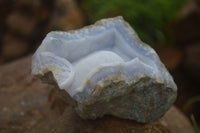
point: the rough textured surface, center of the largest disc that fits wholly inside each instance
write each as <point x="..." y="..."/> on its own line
<point x="28" y="106"/>
<point x="105" y="69"/>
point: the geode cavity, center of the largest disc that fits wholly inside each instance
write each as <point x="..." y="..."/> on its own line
<point x="106" y="69"/>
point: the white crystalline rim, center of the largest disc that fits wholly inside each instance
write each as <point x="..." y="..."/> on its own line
<point x="62" y="76"/>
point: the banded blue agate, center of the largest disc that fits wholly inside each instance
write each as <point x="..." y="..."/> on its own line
<point x="106" y="69"/>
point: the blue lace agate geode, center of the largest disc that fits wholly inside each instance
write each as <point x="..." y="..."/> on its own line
<point x="106" y="69"/>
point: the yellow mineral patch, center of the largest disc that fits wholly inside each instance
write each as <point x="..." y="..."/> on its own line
<point x="118" y="78"/>
<point x="86" y="82"/>
<point x="100" y="67"/>
<point x="54" y="69"/>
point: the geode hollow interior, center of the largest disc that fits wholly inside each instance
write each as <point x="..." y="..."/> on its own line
<point x="106" y="69"/>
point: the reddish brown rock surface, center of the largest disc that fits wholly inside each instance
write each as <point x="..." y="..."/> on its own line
<point x="28" y="106"/>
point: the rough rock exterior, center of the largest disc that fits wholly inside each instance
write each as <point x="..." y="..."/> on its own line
<point x="106" y="69"/>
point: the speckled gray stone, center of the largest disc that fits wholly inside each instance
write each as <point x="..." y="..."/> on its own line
<point x="106" y="69"/>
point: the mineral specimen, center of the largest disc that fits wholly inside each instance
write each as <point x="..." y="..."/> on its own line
<point x="106" y="69"/>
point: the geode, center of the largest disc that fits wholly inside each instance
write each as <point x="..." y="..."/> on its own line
<point x="106" y="69"/>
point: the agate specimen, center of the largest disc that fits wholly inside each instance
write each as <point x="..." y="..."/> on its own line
<point x="106" y="69"/>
